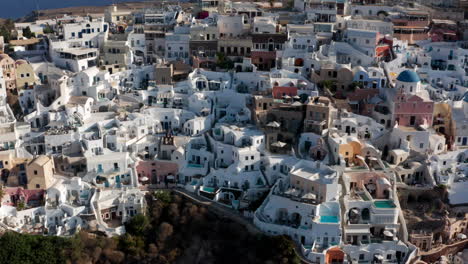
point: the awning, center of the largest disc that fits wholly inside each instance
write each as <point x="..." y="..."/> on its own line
<point x="309" y="196"/>
<point x="274" y="124"/>
<point x="278" y="144"/>
<point x="388" y="233"/>
<point x="363" y="230"/>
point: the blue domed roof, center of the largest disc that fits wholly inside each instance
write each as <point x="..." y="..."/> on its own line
<point x="408" y="76"/>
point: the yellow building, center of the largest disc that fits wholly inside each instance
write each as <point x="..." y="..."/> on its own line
<point x="6" y="160"/>
<point x="350" y="150"/>
<point x="40" y="172"/>
<point x="443" y="122"/>
<point x="24" y="74"/>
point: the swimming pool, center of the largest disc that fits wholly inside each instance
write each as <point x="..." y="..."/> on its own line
<point x="208" y="189"/>
<point x="384" y="204"/>
<point x="328" y="219"/>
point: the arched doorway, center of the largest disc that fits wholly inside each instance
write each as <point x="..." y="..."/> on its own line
<point x="385" y="152"/>
<point x="299" y="62"/>
<point x="365" y="214"/>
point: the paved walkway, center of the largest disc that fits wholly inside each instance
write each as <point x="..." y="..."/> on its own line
<point x="232" y="214"/>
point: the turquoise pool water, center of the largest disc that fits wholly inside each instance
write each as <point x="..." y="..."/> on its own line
<point x="328" y="219"/>
<point x="384" y="204"/>
<point x="208" y="189"/>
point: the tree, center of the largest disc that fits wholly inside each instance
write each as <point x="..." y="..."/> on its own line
<point x="2" y="194"/>
<point x="6" y="28"/>
<point x="153" y="250"/>
<point x="48" y="29"/>
<point x="165" y="230"/>
<point x="138" y="225"/>
<point x="20" y="206"/>
<point x="329" y="85"/>
<point x="353" y="86"/>
<point x="163" y="196"/>
<point x="223" y="61"/>
<point x="27" y="33"/>
<point x="5" y="34"/>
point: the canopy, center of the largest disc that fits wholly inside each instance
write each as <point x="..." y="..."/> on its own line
<point x="279" y="144"/>
<point x="388" y="233"/>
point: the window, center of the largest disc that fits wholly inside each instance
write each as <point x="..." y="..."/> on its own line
<point x="35" y="172"/>
<point x="252" y="157"/>
<point x="38" y="186"/>
<point x="421" y="145"/>
<point x="361" y="256"/>
<point x="246" y="168"/>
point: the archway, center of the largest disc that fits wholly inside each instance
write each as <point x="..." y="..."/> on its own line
<point x="299" y="62"/>
<point x="282" y="215"/>
<point x="365" y="214"/>
<point x="296" y="219"/>
<point x="385" y="152"/>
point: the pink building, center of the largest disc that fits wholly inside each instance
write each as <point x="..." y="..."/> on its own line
<point x="15" y="195"/>
<point x="412" y="110"/>
<point x="411" y="104"/>
<point x="280" y="91"/>
<point x="157" y="171"/>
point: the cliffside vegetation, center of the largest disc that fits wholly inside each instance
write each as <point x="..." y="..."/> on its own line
<point x="174" y="231"/>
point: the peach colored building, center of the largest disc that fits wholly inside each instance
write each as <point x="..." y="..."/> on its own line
<point x="334" y="255"/>
<point x="280" y="91"/>
<point x="376" y="183"/>
<point x="156" y="170"/>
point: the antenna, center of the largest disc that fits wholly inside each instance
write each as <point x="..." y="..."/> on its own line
<point x="37" y="9"/>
